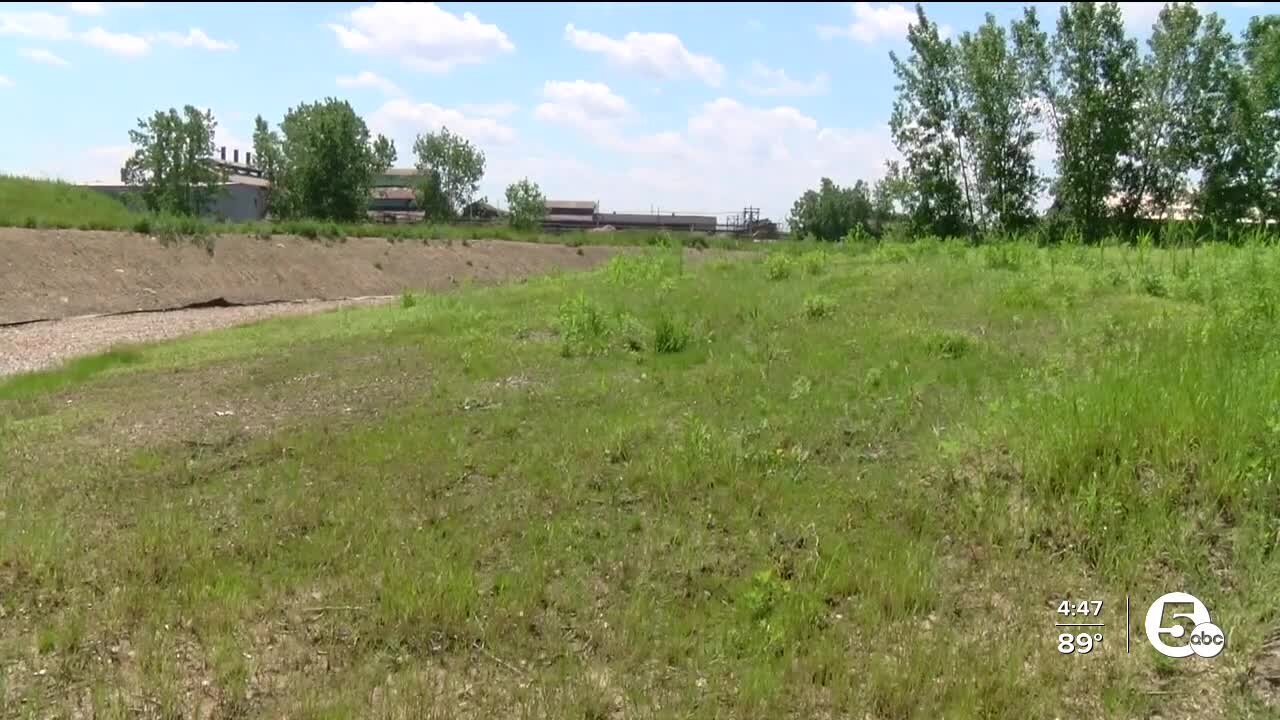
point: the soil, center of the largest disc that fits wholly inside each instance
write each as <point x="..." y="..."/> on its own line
<point x="53" y="274"/>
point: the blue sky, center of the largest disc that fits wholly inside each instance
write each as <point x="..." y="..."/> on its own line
<point x="673" y="106"/>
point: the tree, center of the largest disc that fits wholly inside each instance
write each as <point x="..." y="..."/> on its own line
<point x="893" y="196"/>
<point x="526" y="204"/>
<point x="928" y="130"/>
<point x="1094" y="86"/>
<point x="173" y="165"/>
<point x="1221" y="126"/>
<point x="832" y="211"/>
<point x="1261" y="126"/>
<point x="328" y="162"/>
<point x="1170" y="101"/>
<point x="267" y="149"/>
<point x="1001" y="117"/>
<point x="452" y="167"/>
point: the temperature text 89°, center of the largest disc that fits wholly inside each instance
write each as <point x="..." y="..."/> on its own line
<point x="1081" y="644"/>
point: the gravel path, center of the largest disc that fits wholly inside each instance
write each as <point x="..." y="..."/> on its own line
<point x="40" y="345"/>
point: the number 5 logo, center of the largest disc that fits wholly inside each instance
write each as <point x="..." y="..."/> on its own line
<point x="1206" y="639"/>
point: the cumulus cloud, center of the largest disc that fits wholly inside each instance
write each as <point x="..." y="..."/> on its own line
<point x="588" y="106"/>
<point x="659" y="55"/>
<point x="369" y="79"/>
<point x="5" y="82"/>
<point x="116" y="43"/>
<point x="423" y="36"/>
<point x="403" y="119"/>
<point x="767" y="81"/>
<point x="40" y="55"/>
<point x="37" y="24"/>
<point x="194" y="38"/>
<point x="873" y="22"/>
<point x="496" y="110"/>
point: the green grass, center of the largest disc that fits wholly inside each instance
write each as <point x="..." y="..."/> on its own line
<point x="33" y="203"/>
<point x="664" y="491"/>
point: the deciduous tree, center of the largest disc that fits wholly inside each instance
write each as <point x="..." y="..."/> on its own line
<point x="172" y="167"/>
<point x="452" y="167"/>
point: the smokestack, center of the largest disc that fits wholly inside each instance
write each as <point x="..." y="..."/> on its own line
<point x="235" y="156"/>
<point x="224" y="153"/>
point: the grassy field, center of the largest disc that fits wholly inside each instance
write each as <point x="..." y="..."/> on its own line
<point x="42" y="204"/>
<point x="853" y="483"/>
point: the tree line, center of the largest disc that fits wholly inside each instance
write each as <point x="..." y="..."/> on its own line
<point x="320" y="162"/>
<point x="1190" y="127"/>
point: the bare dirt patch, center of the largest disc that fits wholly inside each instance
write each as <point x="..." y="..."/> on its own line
<point x="52" y="274"/>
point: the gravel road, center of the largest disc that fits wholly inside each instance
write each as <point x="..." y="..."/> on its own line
<point x="40" y="345"/>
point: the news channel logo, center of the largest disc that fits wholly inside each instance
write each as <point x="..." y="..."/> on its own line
<point x="1183" y="618"/>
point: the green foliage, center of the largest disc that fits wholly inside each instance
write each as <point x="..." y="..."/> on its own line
<point x="31" y="203"/>
<point x="327" y="162"/>
<point x="670" y="334"/>
<point x="268" y="153"/>
<point x="172" y="168"/>
<point x="815" y="262"/>
<point x="817" y="307"/>
<point x="453" y="168"/>
<point x="832" y="211"/>
<point x="583" y="327"/>
<point x="526" y="204"/>
<point x="777" y="266"/>
<point x="950" y="345"/>
<point x="928" y="130"/>
<point x="407" y="300"/>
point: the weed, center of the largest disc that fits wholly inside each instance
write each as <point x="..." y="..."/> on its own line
<point x="950" y="345"/>
<point x="583" y="329"/>
<point x="817" y="307"/>
<point x="778" y="266"/>
<point x="815" y="262"/>
<point x="670" y="334"/>
<point x="407" y="300"/>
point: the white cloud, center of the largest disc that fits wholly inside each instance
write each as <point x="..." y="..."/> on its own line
<point x="369" y="79"/>
<point x="587" y="106"/>
<point x="496" y="110"/>
<point x="41" y="55"/>
<point x="117" y="43"/>
<point x="86" y="8"/>
<point x="1140" y="16"/>
<point x="5" y="82"/>
<point x="660" y="55"/>
<point x="776" y="83"/>
<point x="422" y="35"/>
<point x="875" y="21"/>
<point x="195" y="38"/>
<point x="402" y="119"/>
<point x="35" y="24"/>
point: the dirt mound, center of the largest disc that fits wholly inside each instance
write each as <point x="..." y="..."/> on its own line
<point x="48" y="274"/>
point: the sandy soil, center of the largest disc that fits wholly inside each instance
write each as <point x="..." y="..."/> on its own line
<point x="50" y="274"/>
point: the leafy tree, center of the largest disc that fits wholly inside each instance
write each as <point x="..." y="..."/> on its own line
<point x="832" y="211"/>
<point x="1170" y="100"/>
<point x="452" y="167"/>
<point x="1222" y="126"/>
<point x="997" y="97"/>
<point x="270" y="156"/>
<point x="173" y="165"/>
<point x="893" y="195"/>
<point x="328" y="162"/>
<point x="1093" y="88"/>
<point x="526" y="204"/>
<point x="1261" y="127"/>
<point x="927" y="129"/>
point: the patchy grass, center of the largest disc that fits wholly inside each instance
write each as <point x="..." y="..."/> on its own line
<point x="488" y="499"/>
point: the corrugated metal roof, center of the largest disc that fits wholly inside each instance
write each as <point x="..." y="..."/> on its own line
<point x="247" y="180"/>
<point x="640" y="218"/>
<point x="563" y="218"/>
<point x="553" y="205"/>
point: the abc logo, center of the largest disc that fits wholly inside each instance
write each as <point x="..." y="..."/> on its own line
<point x="1206" y="639"/>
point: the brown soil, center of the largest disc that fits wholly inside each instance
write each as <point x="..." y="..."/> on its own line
<point x="49" y="274"/>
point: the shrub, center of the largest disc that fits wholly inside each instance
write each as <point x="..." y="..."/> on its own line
<point x="777" y="266"/>
<point x="697" y="241"/>
<point x="407" y="300"/>
<point x="817" y="307"/>
<point x="1153" y="284"/>
<point x="527" y="204"/>
<point x="815" y="262"/>
<point x="582" y="327"/>
<point x="142" y="226"/>
<point x="670" y="335"/>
